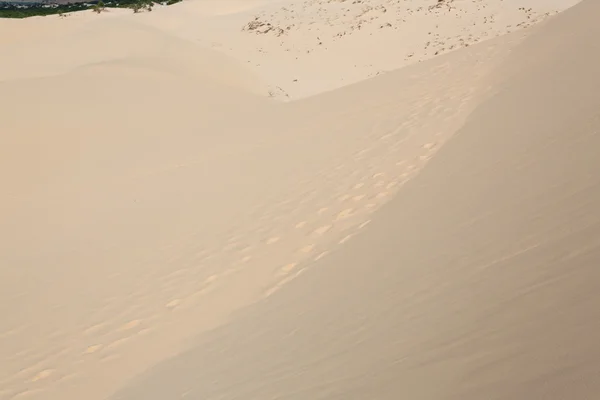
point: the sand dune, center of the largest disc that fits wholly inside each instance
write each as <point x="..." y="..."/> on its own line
<point x="146" y="242"/>
<point x="151" y="188"/>
<point x="304" y="47"/>
<point x="477" y="281"/>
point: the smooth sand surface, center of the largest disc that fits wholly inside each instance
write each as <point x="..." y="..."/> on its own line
<point x="429" y="233"/>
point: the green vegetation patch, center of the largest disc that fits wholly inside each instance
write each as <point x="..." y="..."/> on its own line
<point x="14" y="10"/>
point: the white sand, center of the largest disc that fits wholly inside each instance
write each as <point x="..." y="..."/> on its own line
<point x="151" y="188"/>
<point x="304" y="47"/>
<point x="297" y="48"/>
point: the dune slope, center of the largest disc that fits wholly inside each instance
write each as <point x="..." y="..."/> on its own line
<point x="477" y="281"/>
<point x="145" y="201"/>
<point x="150" y="189"/>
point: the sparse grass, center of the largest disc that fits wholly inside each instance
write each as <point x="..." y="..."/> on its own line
<point x="142" y="5"/>
<point x="13" y="11"/>
<point x="99" y="7"/>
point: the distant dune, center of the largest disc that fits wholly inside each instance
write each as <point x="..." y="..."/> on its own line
<point x="169" y="228"/>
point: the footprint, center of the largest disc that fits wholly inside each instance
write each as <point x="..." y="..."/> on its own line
<point x="110" y="358"/>
<point x="273" y="240"/>
<point x="361" y="154"/>
<point x="42" y="375"/>
<point x="173" y="304"/>
<point x="117" y="343"/>
<point x="130" y="325"/>
<point x="322" y="230"/>
<point x="145" y="331"/>
<point x="307" y="248"/>
<point x="230" y="246"/>
<point x="69" y="377"/>
<point x="345" y="214"/>
<point x="271" y="291"/>
<point x="286" y="269"/>
<point x="345" y="239"/>
<point x="367" y="222"/>
<point x="177" y="273"/>
<point x="94" y="329"/>
<point x="246" y="249"/>
<point x="92" y="349"/>
<point x="28" y="394"/>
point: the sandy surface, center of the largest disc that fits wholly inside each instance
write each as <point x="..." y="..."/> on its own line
<point x="303" y="47"/>
<point x="299" y="48"/>
<point x="430" y="232"/>
<point x="477" y="281"/>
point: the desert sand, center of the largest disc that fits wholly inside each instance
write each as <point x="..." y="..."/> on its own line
<point x="178" y="221"/>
